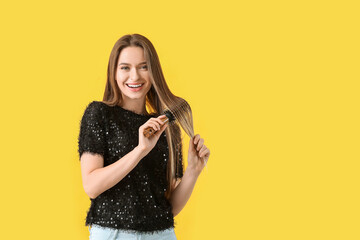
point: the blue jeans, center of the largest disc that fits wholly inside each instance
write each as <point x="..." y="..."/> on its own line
<point x="104" y="233"/>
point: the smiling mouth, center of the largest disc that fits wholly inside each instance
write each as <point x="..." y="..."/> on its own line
<point x="135" y="85"/>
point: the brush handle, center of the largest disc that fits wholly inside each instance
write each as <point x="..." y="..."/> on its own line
<point x="150" y="130"/>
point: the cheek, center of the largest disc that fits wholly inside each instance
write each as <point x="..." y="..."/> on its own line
<point x="119" y="79"/>
<point x="120" y="84"/>
<point x="149" y="85"/>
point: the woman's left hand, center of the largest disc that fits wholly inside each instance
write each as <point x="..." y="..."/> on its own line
<point x="198" y="154"/>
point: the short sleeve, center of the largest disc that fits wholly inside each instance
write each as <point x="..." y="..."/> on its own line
<point x="179" y="163"/>
<point x="91" y="136"/>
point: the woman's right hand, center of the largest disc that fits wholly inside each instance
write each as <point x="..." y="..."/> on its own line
<point x="147" y="144"/>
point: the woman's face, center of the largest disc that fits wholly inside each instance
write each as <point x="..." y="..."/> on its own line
<point x="132" y="75"/>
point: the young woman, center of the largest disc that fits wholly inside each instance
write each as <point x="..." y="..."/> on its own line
<point x="136" y="184"/>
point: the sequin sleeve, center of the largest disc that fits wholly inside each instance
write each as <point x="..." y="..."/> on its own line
<point x="179" y="165"/>
<point x="91" y="137"/>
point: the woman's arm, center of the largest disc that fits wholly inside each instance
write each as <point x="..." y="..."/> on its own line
<point x="97" y="179"/>
<point x="198" y="156"/>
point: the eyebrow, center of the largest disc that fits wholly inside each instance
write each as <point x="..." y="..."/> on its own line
<point x="130" y="64"/>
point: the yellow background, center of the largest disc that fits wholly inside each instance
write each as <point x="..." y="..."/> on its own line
<point x="274" y="88"/>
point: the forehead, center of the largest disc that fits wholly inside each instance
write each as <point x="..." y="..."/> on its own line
<point x="132" y="55"/>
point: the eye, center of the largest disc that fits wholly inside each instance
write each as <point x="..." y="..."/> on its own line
<point x="123" y="68"/>
<point x="144" y="66"/>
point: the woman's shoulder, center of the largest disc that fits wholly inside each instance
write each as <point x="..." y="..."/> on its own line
<point x="101" y="105"/>
<point x="95" y="109"/>
<point x="96" y="105"/>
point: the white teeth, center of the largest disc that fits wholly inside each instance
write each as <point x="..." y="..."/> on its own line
<point x="134" y="86"/>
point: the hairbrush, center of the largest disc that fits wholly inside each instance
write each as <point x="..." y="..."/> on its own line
<point x="169" y="117"/>
<point x="179" y="110"/>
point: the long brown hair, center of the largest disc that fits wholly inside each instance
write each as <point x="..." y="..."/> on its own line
<point x="158" y="99"/>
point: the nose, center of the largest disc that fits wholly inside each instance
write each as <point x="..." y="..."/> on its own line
<point x="134" y="74"/>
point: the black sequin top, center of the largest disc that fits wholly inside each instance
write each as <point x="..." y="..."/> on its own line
<point x="137" y="202"/>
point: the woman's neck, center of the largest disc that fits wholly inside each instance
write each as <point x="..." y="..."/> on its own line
<point x="134" y="107"/>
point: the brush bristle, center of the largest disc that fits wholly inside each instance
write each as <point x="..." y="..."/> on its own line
<point x="169" y="115"/>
